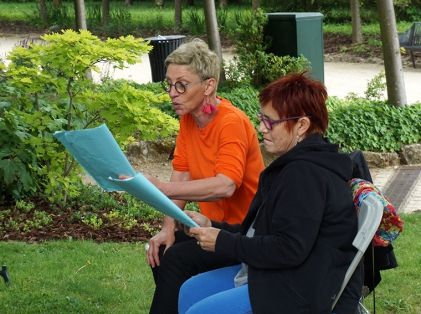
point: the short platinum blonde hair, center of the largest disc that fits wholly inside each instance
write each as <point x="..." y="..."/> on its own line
<point x="197" y="55"/>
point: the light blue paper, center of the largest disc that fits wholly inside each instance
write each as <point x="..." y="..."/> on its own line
<point x="148" y="193"/>
<point x="99" y="154"/>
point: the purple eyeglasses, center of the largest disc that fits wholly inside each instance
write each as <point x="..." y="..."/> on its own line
<point x="269" y="123"/>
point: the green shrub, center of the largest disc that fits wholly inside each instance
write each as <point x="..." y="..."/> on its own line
<point x="359" y="124"/>
<point x="17" y="158"/>
<point x="274" y="66"/>
<point x="408" y="10"/>
<point x="222" y="18"/>
<point x="101" y="209"/>
<point x="354" y="123"/>
<point x="195" y="21"/>
<point x="342" y="15"/>
<point x="376" y="87"/>
<point x="252" y="64"/>
<point x="246" y="99"/>
<point x="58" y="17"/>
<point x="46" y="88"/>
<point x="22" y="221"/>
<point x="165" y="105"/>
<point x="120" y="22"/>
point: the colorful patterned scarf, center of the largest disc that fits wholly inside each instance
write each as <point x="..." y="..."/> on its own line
<point x="391" y="224"/>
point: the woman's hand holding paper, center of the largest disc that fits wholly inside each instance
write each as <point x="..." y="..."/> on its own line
<point x="205" y="234"/>
<point x="206" y="237"/>
<point x="198" y="218"/>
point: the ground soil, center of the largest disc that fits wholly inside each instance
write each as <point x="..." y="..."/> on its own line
<point x="65" y="226"/>
<point x="339" y="48"/>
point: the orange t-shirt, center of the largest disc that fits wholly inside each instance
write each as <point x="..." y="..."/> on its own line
<point x="227" y="145"/>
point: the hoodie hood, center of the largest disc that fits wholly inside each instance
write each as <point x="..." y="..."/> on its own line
<point x="317" y="150"/>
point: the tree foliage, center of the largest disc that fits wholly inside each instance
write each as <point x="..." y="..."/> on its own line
<point x="44" y="89"/>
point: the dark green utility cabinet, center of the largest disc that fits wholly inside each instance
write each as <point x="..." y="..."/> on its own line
<point x="296" y="34"/>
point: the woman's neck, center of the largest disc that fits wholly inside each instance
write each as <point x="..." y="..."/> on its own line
<point x="201" y="118"/>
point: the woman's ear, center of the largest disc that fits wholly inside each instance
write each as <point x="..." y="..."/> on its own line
<point x="303" y="124"/>
<point x="210" y="86"/>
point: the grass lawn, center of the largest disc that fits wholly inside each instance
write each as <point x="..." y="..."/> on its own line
<point x="85" y="277"/>
<point x="368" y="29"/>
<point x="75" y="277"/>
<point x="148" y="15"/>
<point x="16" y="11"/>
<point x="400" y="288"/>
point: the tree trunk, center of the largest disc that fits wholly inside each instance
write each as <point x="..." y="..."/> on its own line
<point x="82" y="25"/>
<point x="255" y="4"/>
<point x="391" y="53"/>
<point x="178" y="15"/>
<point x="223" y="3"/>
<point x="128" y="2"/>
<point x="43" y="15"/>
<point x="105" y="12"/>
<point x="307" y="5"/>
<point x="159" y="3"/>
<point x="213" y="32"/>
<point x="56" y="3"/>
<point x="357" y="35"/>
<point x="80" y="14"/>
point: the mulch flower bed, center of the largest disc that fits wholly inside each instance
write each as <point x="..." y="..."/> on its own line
<point x="64" y="226"/>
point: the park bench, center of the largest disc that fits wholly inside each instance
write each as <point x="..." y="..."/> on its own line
<point x="411" y="40"/>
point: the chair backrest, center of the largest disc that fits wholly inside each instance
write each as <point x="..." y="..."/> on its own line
<point x="412" y="37"/>
<point x="405" y="37"/>
<point x="416" y="36"/>
<point x="369" y="217"/>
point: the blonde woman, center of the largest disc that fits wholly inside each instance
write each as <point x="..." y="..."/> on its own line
<point x="217" y="162"/>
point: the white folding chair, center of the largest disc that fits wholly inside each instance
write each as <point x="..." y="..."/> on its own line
<point x="369" y="217"/>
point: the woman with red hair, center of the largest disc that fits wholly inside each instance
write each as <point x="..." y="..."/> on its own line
<point x="295" y="244"/>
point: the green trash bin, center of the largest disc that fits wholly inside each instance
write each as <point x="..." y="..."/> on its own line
<point x="162" y="47"/>
<point x="296" y="34"/>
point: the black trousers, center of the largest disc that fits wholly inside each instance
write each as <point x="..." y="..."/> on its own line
<point x="180" y="262"/>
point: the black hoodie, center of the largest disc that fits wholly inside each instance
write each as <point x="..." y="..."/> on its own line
<point x="304" y="222"/>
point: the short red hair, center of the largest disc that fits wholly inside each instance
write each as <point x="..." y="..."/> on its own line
<point x="297" y="95"/>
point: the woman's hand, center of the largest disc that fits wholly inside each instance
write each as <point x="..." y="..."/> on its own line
<point x="198" y="218"/>
<point x="124" y="177"/>
<point x="164" y="237"/>
<point x="206" y="237"/>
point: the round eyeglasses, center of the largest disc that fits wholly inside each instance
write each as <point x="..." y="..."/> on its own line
<point x="179" y="86"/>
<point x="269" y="123"/>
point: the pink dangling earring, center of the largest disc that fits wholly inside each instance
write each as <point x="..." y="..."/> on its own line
<point x="207" y="107"/>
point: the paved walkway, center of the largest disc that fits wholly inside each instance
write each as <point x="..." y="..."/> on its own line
<point x="401" y="184"/>
<point x="343" y="78"/>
